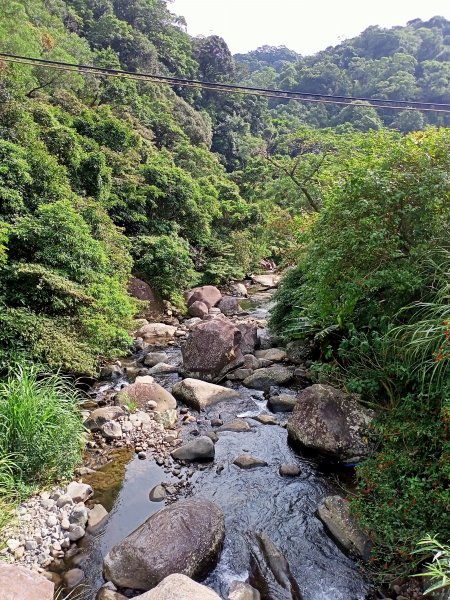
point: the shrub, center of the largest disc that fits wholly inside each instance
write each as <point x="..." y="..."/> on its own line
<point x="41" y="426"/>
<point x="165" y="263"/>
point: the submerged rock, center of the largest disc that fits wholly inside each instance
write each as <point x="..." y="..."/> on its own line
<point x="199" y="394"/>
<point x="179" y="587"/>
<point x="269" y="570"/>
<point x="330" y="422"/>
<point x="263" y="379"/>
<point x="202" y="448"/>
<point x="247" y="461"/>
<point x="185" y="537"/>
<point x="19" y="583"/>
<point x="287" y="470"/>
<point x="335" y="515"/>
<point x="237" y="425"/>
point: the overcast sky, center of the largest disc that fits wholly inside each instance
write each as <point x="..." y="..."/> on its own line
<point x="306" y="26"/>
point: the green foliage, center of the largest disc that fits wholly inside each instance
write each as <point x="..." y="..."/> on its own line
<point x="438" y="570"/>
<point x="41" y="427"/>
<point x="403" y="489"/>
<point x="165" y="263"/>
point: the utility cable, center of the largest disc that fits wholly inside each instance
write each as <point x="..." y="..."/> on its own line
<point x="227" y="88"/>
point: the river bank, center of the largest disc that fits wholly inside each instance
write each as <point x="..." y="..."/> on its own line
<point x="134" y="475"/>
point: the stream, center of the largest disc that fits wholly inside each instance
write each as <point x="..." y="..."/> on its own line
<point x="258" y="500"/>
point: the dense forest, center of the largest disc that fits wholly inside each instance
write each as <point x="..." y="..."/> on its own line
<point x="104" y="177"/>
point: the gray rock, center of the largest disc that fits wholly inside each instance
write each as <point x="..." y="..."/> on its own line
<point x="208" y="294"/>
<point x="239" y="374"/>
<point x="268" y="281"/>
<point x="239" y="289"/>
<point x="195" y="529"/>
<point x="112" y="430"/>
<point x="106" y="594"/>
<point x="79" y="492"/>
<point x="198" y="309"/>
<point x="266" y="419"/>
<point x="299" y="351"/>
<point x="202" y="448"/>
<point x="153" y="358"/>
<point x="20" y="583"/>
<point x="145" y="389"/>
<point x="287" y="470"/>
<point x="111" y="371"/>
<point x="263" y="379"/>
<point x="249" y="337"/>
<point x="76" y="532"/>
<point x="155" y="332"/>
<point x="251" y="362"/>
<point x="79" y="515"/>
<point x="238" y="426"/>
<point x="157" y="494"/>
<point x="98" y="516"/>
<point x="335" y="515"/>
<point x="272" y="354"/>
<point x="200" y="394"/>
<point x="212" y="349"/>
<point x="179" y="587"/>
<point x="247" y="461"/>
<point x="330" y="422"/>
<point x="163" y="368"/>
<point x="100" y="416"/>
<point x="282" y="403"/>
<point x="73" y="578"/>
<point x="243" y="591"/>
<point x="229" y="305"/>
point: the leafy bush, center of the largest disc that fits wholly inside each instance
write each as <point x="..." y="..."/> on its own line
<point x="165" y="263"/>
<point x="41" y="426"/>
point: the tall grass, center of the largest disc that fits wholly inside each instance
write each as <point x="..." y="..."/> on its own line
<point x="41" y="430"/>
<point x="424" y="342"/>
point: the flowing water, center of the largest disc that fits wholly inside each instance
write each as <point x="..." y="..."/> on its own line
<point x="252" y="500"/>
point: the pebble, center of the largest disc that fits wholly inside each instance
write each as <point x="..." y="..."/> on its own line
<point x="142" y="455"/>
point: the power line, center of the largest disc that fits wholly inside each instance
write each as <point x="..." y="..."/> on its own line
<point x="226" y="87"/>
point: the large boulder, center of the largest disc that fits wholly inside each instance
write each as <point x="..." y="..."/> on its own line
<point x="199" y="394"/>
<point x="299" y="351"/>
<point x="142" y="291"/>
<point x="330" y="422"/>
<point x="144" y="390"/>
<point x="185" y="537"/>
<point x="263" y="379"/>
<point x="212" y="349"/>
<point x="155" y="332"/>
<point x="179" y="587"/>
<point x="202" y="448"/>
<point x="334" y="513"/>
<point x="19" y="583"/>
<point x="272" y="354"/>
<point x="208" y="294"/>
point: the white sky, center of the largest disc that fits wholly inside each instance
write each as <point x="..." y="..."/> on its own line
<point x="306" y="26"/>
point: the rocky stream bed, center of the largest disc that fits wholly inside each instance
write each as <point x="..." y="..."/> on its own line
<point x="195" y="447"/>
